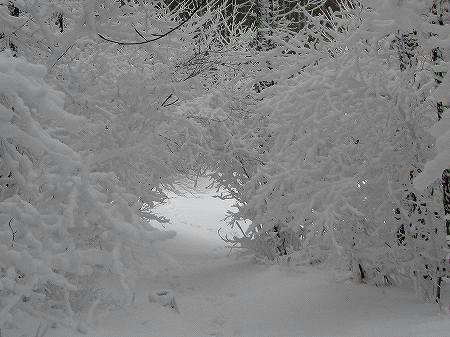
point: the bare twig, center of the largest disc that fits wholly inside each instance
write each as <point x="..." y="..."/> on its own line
<point x="140" y="34"/>
<point x="170" y="140"/>
<point x="239" y="226"/>
<point x="167" y="98"/>
<point x="13" y="232"/>
<point x="226" y="239"/>
<point x="165" y="104"/>
<point x="62" y="55"/>
<point x="172" y="103"/>
<point x="243" y="167"/>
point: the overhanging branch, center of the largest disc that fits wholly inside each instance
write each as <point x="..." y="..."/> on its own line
<point x="158" y="36"/>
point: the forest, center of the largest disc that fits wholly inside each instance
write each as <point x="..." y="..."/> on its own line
<point x="324" y="124"/>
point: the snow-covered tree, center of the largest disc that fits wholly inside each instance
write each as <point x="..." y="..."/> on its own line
<point x="83" y="165"/>
<point x="63" y="224"/>
<point x="348" y="119"/>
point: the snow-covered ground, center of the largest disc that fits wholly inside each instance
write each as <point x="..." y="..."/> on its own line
<point x="220" y="295"/>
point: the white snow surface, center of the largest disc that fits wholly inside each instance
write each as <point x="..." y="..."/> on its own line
<point x="221" y="295"/>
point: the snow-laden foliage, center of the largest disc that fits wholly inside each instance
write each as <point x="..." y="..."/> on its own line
<point x="326" y="121"/>
<point x="63" y="225"/>
<point x="122" y="72"/>
<point x="349" y="114"/>
<point x="83" y="166"/>
<point x="115" y="88"/>
<point x="434" y="168"/>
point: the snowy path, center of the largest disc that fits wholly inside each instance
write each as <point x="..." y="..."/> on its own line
<point x="223" y="296"/>
<point x="244" y="299"/>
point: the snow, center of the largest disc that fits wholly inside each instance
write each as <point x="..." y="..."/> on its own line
<point x="316" y="126"/>
<point x="221" y="295"/>
<point x="433" y="169"/>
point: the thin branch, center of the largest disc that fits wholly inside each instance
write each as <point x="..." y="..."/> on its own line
<point x="172" y="103"/>
<point x="170" y="140"/>
<point x="140" y="34"/>
<point x="226" y="239"/>
<point x="158" y="36"/>
<point x="14" y="32"/>
<point x="167" y="98"/>
<point x="239" y="226"/>
<point x="169" y="104"/>
<point x="62" y="55"/>
<point x="243" y="167"/>
<point x="13" y="232"/>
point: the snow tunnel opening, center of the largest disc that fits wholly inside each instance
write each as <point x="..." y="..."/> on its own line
<point x="198" y="214"/>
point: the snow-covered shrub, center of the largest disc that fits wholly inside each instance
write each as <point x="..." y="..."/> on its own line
<point x="348" y="121"/>
<point x="82" y="171"/>
<point x="130" y="90"/>
<point x="62" y="225"/>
